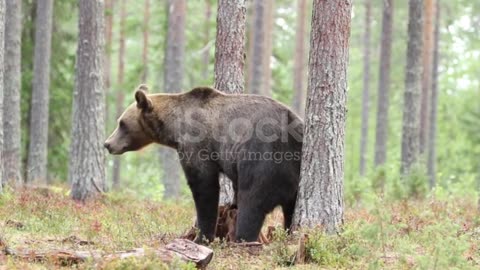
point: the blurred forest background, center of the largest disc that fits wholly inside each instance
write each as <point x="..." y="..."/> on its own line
<point x="142" y="174"/>
<point x="412" y="179"/>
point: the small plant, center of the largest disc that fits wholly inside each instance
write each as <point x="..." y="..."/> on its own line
<point x="282" y="255"/>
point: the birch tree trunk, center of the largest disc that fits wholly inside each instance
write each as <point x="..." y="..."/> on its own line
<point x="11" y="100"/>
<point x="120" y="91"/>
<point x="299" y="59"/>
<point x="384" y="84"/>
<point x="173" y="81"/>
<point x="87" y="156"/>
<point x="229" y="62"/>
<point x="2" y="70"/>
<point x="432" y="153"/>
<point x="38" y="143"/>
<point x="366" y="87"/>
<point x="427" y="56"/>
<point x="411" y="105"/>
<point x="320" y="198"/>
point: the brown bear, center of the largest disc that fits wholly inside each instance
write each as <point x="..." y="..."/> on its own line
<point x="254" y="140"/>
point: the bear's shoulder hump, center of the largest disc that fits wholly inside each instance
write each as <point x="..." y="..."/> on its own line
<point x="203" y="92"/>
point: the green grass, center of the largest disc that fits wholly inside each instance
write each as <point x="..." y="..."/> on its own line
<point x="421" y="234"/>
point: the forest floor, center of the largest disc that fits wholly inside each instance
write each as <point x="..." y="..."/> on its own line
<point x="425" y="234"/>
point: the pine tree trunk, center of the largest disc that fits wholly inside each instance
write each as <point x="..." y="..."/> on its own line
<point x="229" y="62"/>
<point x="299" y="64"/>
<point x="268" y="47"/>
<point x="411" y="106"/>
<point x="87" y="156"/>
<point x="366" y="87"/>
<point x="381" y="130"/>
<point x="120" y="91"/>
<point x="432" y="153"/>
<point x="109" y="10"/>
<point x="2" y="70"/>
<point x="11" y="100"/>
<point x="206" y="52"/>
<point x="257" y="61"/>
<point x="146" y="30"/>
<point x="426" y="74"/>
<point x="320" y="198"/>
<point x="38" y="143"/>
<point x="174" y="69"/>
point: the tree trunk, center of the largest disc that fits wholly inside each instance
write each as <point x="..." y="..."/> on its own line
<point x="109" y="8"/>
<point x="87" y="156"/>
<point x="411" y="112"/>
<point x="120" y="94"/>
<point x="257" y="61"/>
<point x="146" y="30"/>
<point x="174" y="61"/>
<point x="2" y="70"/>
<point x="320" y="198"/>
<point x="366" y="87"/>
<point x="426" y="74"/>
<point x="11" y="100"/>
<point x="206" y="51"/>
<point x="38" y="144"/>
<point x="384" y="84"/>
<point x="300" y="58"/>
<point x="268" y="47"/>
<point x="229" y="62"/>
<point x="432" y="153"/>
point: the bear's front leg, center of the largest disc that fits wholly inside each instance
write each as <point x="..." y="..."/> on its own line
<point x="205" y="190"/>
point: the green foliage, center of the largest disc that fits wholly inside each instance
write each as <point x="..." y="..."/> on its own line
<point x="458" y="140"/>
<point x="281" y="252"/>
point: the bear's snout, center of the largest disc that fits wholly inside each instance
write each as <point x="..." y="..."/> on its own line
<point x="107" y="145"/>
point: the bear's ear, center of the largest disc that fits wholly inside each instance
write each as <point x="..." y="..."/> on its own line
<point x="143" y="102"/>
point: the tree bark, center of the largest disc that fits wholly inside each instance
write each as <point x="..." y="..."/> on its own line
<point x="432" y="153"/>
<point x="426" y="74"/>
<point x="229" y="62"/>
<point x="2" y="70"/>
<point x="120" y="91"/>
<point x="257" y="68"/>
<point x="299" y="64"/>
<point x="366" y="87"/>
<point x="206" y="52"/>
<point x="320" y="198"/>
<point x="268" y="47"/>
<point x="146" y="31"/>
<point x="109" y="9"/>
<point x="11" y="100"/>
<point x="38" y="143"/>
<point x="381" y="129"/>
<point x="411" y="106"/>
<point x="87" y="156"/>
<point x="173" y="81"/>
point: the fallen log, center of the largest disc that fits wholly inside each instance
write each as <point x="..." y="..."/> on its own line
<point x="182" y="249"/>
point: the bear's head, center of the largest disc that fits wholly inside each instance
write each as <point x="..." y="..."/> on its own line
<point x="132" y="132"/>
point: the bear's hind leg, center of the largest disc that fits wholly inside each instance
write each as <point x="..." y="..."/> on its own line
<point x="249" y="221"/>
<point x="288" y="210"/>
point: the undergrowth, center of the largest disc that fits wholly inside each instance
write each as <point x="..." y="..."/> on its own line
<point x="423" y="233"/>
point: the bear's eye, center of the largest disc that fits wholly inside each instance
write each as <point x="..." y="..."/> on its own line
<point x="121" y="124"/>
